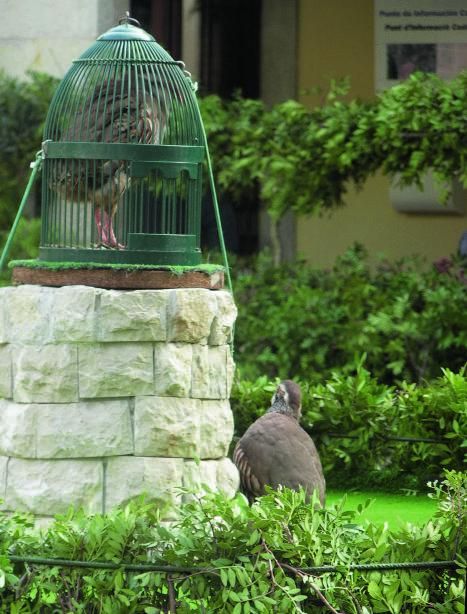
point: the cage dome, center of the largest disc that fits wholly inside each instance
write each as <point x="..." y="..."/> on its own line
<point x="123" y="155"/>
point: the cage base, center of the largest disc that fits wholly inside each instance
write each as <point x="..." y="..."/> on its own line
<point x="121" y="256"/>
<point x="124" y="278"/>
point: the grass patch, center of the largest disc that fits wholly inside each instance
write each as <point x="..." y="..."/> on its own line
<point x="63" y="266"/>
<point x="395" y="509"/>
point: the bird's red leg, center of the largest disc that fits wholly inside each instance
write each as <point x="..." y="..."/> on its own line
<point x="101" y="229"/>
<point x="111" y="239"/>
<point x="105" y="232"/>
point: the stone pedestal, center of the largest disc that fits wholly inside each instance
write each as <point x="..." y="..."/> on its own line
<point x="106" y="394"/>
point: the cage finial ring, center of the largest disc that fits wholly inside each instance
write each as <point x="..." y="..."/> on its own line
<point x="128" y="19"/>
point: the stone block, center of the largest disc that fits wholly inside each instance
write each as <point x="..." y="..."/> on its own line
<point x="227" y="478"/>
<point x="209" y="372"/>
<point x="74" y="430"/>
<point x="83" y="430"/>
<point x="166" y="426"/>
<point x="3" y="328"/>
<point x="115" y="370"/>
<point x="224" y="320"/>
<point x="73" y="313"/>
<point x="3" y="476"/>
<point x="190" y="315"/>
<point x="139" y="315"/>
<point x="199" y="477"/>
<point x="216" y="475"/>
<point x="5" y="372"/>
<point x="49" y="487"/>
<point x="216" y="428"/>
<point x="27" y="314"/>
<point x="185" y="428"/>
<point x="230" y="370"/>
<point x="17" y="429"/>
<point x="172" y="369"/>
<point x="128" y="477"/>
<point x="46" y="374"/>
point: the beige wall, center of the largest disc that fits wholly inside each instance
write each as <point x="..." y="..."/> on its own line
<point x="335" y="39"/>
<point x="47" y="35"/>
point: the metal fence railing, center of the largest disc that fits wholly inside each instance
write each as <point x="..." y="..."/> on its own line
<point x="173" y="570"/>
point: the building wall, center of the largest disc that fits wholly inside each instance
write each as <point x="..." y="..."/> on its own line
<point x="278" y="83"/>
<point x="47" y="35"/>
<point x="336" y="39"/>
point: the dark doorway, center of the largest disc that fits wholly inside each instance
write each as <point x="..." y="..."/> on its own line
<point x="229" y="63"/>
<point x="230" y="47"/>
<point x="162" y="19"/>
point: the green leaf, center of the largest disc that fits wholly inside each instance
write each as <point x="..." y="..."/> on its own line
<point x="232" y="577"/>
<point x="374" y="590"/>
<point x="254" y="537"/>
<point x="224" y="577"/>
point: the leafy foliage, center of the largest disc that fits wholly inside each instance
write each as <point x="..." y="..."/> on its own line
<point x="256" y="556"/>
<point x="23" y="107"/>
<point x="299" y="159"/>
<point x="25" y="245"/>
<point x="303" y="160"/>
<point x="351" y="417"/>
<point x="302" y="322"/>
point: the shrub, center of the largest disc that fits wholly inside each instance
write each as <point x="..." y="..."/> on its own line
<point x="296" y="321"/>
<point x="303" y="159"/>
<point x="24" y="246"/>
<point x="256" y="558"/>
<point x="299" y="159"/>
<point x="354" y="418"/>
<point x="23" y="107"/>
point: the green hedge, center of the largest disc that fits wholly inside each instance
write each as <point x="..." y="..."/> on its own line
<point x="363" y="414"/>
<point x="255" y="556"/>
<point x="299" y="159"/>
<point x="25" y="245"/>
<point x="303" y="159"/>
<point x="297" y="321"/>
<point x="23" y="107"/>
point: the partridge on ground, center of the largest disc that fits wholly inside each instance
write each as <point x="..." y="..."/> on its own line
<point x="275" y="450"/>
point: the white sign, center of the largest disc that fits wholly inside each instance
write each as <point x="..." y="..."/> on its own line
<point x="426" y="35"/>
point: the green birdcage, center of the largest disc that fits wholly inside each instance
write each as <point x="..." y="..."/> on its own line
<point x="123" y="151"/>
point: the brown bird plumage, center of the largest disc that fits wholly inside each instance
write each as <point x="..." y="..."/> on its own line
<point x="275" y="450"/>
<point x="117" y="113"/>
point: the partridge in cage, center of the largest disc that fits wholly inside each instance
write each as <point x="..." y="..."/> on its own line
<point x="119" y="111"/>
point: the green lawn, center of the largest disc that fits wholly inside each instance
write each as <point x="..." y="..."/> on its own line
<point x="392" y="508"/>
